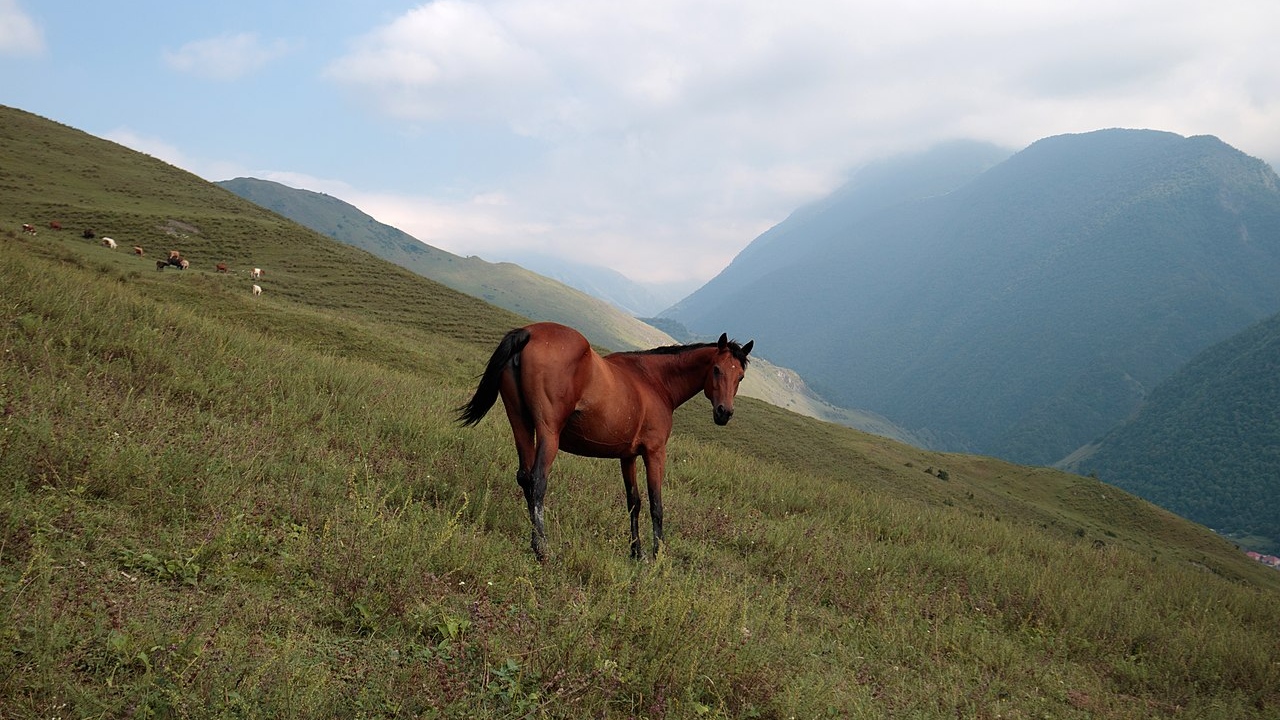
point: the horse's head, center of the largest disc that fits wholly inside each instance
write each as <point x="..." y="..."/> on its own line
<point x="727" y="370"/>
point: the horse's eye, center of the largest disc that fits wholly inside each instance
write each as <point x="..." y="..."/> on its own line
<point x="715" y="370"/>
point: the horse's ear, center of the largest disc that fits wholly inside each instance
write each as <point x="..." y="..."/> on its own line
<point x="723" y="342"/>
<point x="746" y="349"/>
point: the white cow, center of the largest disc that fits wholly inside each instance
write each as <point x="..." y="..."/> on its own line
<point x="257" y="290"/>
<point x="108" y="243"/>
<point x="257" y="273"/>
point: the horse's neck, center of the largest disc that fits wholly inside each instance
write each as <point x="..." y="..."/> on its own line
<point x="682" y="375"/>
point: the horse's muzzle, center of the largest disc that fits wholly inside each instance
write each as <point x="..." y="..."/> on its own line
<point x="721" y="414"/>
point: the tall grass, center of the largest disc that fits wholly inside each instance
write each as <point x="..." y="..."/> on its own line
<point x="219" y="506"/>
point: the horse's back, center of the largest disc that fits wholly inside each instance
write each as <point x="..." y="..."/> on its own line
<point x="556" y="334"/>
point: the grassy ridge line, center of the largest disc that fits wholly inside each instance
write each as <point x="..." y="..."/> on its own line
<point x="503" y="284"/>
<point x="289" y="524"/>
<point x="53" y="172"/>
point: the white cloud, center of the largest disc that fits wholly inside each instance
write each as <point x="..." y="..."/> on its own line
<point x="153" y="146"/>
<point x="450" y="58"/>
<point x="226" y="57"/>
<point x="19" y="34"/>
<point x="675" y="130"/>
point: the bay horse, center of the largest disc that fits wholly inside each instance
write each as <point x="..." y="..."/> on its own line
<point x="560" y="394"/>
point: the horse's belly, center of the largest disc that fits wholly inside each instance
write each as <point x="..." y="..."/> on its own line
<point x="595" y="441"/>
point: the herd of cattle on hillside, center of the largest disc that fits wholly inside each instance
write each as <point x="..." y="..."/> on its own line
<point x="175" y="257"/>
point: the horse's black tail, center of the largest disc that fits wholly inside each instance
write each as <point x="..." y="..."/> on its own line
<point x="487" y="393"/>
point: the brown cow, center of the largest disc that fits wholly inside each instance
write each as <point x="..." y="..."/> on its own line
<point x="221" y="267"/>
<point x="55" y="225"/>
<point x="137" y="250"/>
<point x="88" y="234"/>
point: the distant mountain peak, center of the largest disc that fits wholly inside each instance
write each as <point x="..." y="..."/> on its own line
<point x="1015" y="305"/>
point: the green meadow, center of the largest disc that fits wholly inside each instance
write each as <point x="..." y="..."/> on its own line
<point x="221" y="505"/>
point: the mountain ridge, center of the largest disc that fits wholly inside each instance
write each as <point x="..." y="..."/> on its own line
<point x="1057" y="287"/>
<point x="506" y="285"/>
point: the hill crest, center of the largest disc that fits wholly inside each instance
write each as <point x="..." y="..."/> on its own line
<point x="506" y="285"/>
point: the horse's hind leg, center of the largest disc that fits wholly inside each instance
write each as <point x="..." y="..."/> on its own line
<point x="523" y="430"/>
<point x="537" y="450"/>
<point x="537" y="535"/>
<point x="633" y="503"/>
<point x="535" y="487"/>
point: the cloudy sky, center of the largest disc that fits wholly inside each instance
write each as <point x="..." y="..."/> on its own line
<point x="657" y="137"/>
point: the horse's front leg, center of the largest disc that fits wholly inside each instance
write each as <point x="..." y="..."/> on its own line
<point x="655" y="461"/>
<point x="633" y="503"/>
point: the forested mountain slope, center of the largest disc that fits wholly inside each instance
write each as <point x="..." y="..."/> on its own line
<point x="1206" y="443"/>
<point x="1020" y="310"/>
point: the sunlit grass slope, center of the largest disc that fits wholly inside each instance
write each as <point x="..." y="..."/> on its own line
<point x="221" y="505"/>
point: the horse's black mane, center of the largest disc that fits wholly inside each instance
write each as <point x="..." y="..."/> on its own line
<point x="734" y="347"/>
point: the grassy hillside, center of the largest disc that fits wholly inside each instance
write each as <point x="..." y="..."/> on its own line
<point x="216" y="504"/>
<point x="54" y="173"/>
<point x="222" y="505"/>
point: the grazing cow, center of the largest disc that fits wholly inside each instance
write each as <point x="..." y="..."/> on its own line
<point x="174" y="255"/>
<point x="55" y="225"/>
<point x="29" y="229"/>
<point x="108" y="243"/>
<point x="161" y="264"/>
<point x="221" y="267"/>
<point x="257" y="290"/>
<point x="137" y="250"/>
<point x="88" y="234"/>
<point x="184" y="264"/>
<point x="257" y="273"/>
